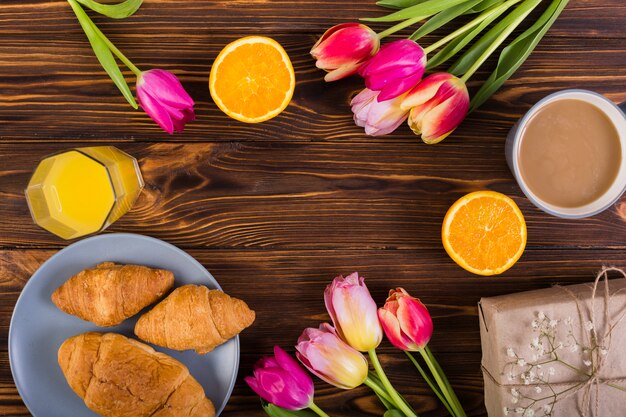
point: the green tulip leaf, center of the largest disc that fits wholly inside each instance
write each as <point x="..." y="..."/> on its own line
<point x="275" y="411"/>
<point x="514" y="55"/>
<point x="103" y="53"/>
<point x="427" y="8"/>
<point x="442" y="18"/>
<point x="393" y="413"/>
<point x="398" y="4"/>
<point x="484" y="5"/>
<point x="115" y="11"/>
<point x="461" y="41"/>
<point x="464" y="63"/>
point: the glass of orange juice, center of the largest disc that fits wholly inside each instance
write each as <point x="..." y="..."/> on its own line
<point x="82" y="191"/>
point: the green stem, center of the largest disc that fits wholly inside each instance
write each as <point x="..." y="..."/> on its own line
<point x="388" y="387"/>
<point x="117" y="52"/>
<point x="483" y="16"/>
<point x="400" y="26"/>
<point x="617" y="387"/>
<point x="379" y="390"/>
<point x="573" y="368"/>
<point x="442" y="381"/>
<point x="82" y="16"/>
<point x="505" y="34"/>
<point x="455" y="399"/>
<point x="430" y="383"/>
<point x="318" y="410"/>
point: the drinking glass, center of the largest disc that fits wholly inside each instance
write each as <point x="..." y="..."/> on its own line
<point x="82" y="191"/>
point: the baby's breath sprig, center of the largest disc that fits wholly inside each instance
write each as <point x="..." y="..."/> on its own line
<point x="534" y="395"/>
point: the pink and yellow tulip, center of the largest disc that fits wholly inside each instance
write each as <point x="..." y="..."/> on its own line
<point x="280" y="380"/>
<point x="395" y="69"/>
<point x="353" y="311"/>
<point x="406" y="321"/>
<point x="323" y="353"/>
<point x="377" y="117"/>
<point x="344" y="48"/>
<point x="438" y="105"/>
<point x="165" y="100"/>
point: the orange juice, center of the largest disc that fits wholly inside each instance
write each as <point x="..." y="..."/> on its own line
<point x="83" y="191"/>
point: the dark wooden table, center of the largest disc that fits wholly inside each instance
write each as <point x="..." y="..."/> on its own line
<point x="276" y="210"/>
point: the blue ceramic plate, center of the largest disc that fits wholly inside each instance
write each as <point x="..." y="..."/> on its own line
<point x="38" y="327"/>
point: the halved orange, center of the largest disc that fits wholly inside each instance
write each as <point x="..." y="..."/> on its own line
<point x="484" y="232"/>
<point x="252" y="79"/>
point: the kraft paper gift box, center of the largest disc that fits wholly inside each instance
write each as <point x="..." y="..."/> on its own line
<point x="518" y="331"/>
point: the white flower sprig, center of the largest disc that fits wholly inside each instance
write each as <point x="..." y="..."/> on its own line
<point x="534" y="395"/>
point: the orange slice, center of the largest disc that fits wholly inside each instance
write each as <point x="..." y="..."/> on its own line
<point x="252" y="79"/>
<point x="484" y="232"/>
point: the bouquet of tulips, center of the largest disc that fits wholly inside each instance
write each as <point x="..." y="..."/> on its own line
<point x="160" y="93"/>
<point x="396" y="89"/>
<point x="335" y="353"/>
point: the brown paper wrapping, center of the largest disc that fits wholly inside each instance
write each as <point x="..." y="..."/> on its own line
<point x="505" y="321"/>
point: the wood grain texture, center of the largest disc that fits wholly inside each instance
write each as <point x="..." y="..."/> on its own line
<point x="50" y="90"/>
<point x="303" y="195"/>
<point x="295" y="280"/>
<point x="196" y="19"/>
<point x="278" y="209"/>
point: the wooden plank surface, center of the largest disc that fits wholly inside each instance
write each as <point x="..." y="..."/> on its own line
<point x="276" y="210"/>
<point x="331" y="195"/>
<point x="50" y="85"/>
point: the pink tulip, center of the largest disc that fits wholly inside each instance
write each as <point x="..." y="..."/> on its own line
<point x="165" y="100"/>
<point x="377" y="117"/>
<point x="330" y="358"/>
<point x="406" y="321"/>
<point x="438" y="106"/>
<point x="353" y="312"/>
<point x="344" y="48"/>
<point x="395" y="69"/>
<point x="280" y="380"/>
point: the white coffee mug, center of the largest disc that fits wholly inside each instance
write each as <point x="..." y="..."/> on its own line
<point x="617" y="188"/>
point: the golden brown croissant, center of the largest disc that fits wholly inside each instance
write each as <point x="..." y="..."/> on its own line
<point x="194" y="317"/>
<point x="109" y="293"/>
<point x="120" y="377"/>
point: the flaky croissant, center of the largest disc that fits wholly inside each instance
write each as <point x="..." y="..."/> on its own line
<point x="109" y="293"/>
<point x="120" y="377"/>
<point x="194" y="317"/>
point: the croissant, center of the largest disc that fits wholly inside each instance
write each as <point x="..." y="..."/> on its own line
<point x="109" y="293"/>
<point x="120" y="377"/>
<point x="194" y="317"/>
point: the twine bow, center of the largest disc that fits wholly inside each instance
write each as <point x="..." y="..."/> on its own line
<point x="600" y="339"/>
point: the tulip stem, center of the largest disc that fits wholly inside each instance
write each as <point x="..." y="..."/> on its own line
<point x="442" y="381"/>
<point x="400" y="26"/>
<point x="501" y="38"/>
<point x="397" y="399"/>
<point x="116" y="51"/>
<point x="485" y="15"/>
<point x="378" y="390"/>
<point x="313" y="407"/>
<point x="430" y="383"/>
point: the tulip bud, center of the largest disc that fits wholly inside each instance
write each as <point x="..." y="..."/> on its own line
<point x="438" y="106"/>
<point x="406" y="321"/>
<point x="280" y="380"/>
<point x="377" y="117"/>
<point x="395" y="69"/>
<point x="330" y="358"/>
<point x="344" y="48"/>
<point x="353" y="312"/>
<point x="165" y="100"/>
